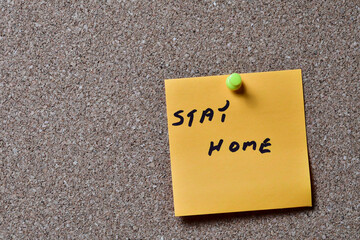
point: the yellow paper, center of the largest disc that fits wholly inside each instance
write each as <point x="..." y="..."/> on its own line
<point x="269" y="105"/>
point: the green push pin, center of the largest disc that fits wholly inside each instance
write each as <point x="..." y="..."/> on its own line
<point x="233" y="82"/>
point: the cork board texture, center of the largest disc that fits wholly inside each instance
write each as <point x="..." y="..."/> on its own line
<point x="84" y="148"/>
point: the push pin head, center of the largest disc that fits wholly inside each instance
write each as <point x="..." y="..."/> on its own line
<point x="233" y="82"/>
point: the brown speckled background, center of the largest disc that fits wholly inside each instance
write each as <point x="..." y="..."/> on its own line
<point x="83" y="131"/>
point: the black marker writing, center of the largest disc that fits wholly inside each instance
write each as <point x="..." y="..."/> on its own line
<point x="235" y="146"/>
<point x="223" y="110"/>
<point x="247" y="144"/>
<point x="177" y="114"/>
<point x="191" y="116"/>
<point x="207" y="113"/>
<point x="217" y="148"/>
<point x="265" y="144"/>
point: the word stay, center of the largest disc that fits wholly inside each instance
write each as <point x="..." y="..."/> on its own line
<point x="208" y="114"/>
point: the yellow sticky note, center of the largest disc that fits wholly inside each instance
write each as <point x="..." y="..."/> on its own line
<point x="238" y="151"/>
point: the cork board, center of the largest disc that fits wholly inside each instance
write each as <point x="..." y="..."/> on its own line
<point x="83" y="136"/>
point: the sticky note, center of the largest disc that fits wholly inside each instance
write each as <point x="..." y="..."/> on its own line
<point x="234" y="151"/>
